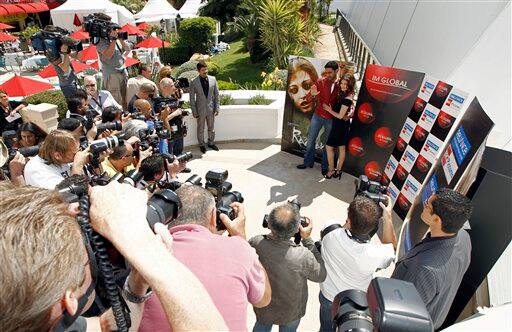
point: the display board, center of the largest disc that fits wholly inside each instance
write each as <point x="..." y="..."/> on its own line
<point x="299" y="107"/>
<point x="383" y="104"/>
<point x="421" y="139"/>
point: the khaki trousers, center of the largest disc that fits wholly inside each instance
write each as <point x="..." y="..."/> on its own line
<point x="116" y="84"/>
<point x="209" y="118"/>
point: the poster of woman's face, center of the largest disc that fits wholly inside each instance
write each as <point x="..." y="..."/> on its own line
<point x="303" y="76"/>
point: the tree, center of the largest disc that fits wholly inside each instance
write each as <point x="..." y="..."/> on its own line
<point x="197" y="33"/>
<point x="134" y="6"/>
<point x="222" y="10"/>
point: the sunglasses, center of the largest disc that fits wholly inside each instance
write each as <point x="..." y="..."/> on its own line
<point x="90" y="85"/>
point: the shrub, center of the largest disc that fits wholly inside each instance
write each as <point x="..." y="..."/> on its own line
<point x="50" y="97"/>
<point x="224" y="85"/>
<point x="197" y="33"/>
<point x="187" y="66"/>
<point x="259" y="100"/>
<point x="189" y="75"/>
<point x="29" y="32"/>
<point x="186" y="105"/>
<point x="213" y="68"/>
<point x="174" y="55"/>
<point x="225" y="99"/>
<point x="275" y="80"/>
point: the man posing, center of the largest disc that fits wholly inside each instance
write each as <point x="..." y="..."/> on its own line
<point x="437" y="264"/>
<point x="325" y="91"/>
<point x="204" y="102"/>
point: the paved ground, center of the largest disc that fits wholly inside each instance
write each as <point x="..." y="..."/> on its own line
<point x="267" y="176"/>
<point x="325" y="47"/>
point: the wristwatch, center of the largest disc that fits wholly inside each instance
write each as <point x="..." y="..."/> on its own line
<point x="130" y="297"/>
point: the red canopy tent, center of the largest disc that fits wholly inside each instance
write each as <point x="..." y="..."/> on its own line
<point x="20" y="86"/>
<point x="89" y="53"/>
<point x="152" y="42"/>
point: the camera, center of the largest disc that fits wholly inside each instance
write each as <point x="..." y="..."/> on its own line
<point x="303" y="221"/>
<point x="389" y="305"/>
<point x="371" y="189"/>
<point x="175" y="184"/>
<point x="182" y="83"/>
<point x="182" y="158"/>
<point x="217" y="185"/>
<point x="29" y="151"/>
<point x="50" y="41"/>
<point x="101" y="145"/>
<point x="100" y="26"/>
<point x="114" y="125"/>
<point x="162" y="102"/>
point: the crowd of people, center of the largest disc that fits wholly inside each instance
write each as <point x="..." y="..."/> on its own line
<point x="186" y="274"/>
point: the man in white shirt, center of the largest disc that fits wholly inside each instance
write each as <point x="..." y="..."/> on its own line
<point x="134" y="83"/>
<point x="98" y="100"/>
<point x="58" y="159"/>
<point x="350" y="259"/>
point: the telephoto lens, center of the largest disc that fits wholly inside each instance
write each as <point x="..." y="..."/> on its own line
<point x="350" y="311"/>
<point x="184" y="157"/>
<point x="29" y="151"/>
<point x="133" y="177"/>
<point x="194" y="180"/>
<point x="163" y="207"/>
<point x="103" y="144"/>
<point x="114" y="125"/>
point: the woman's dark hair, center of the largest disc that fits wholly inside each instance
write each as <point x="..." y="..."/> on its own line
<point x="34" y="129"/>
<point x="351" y="83"/>
<point x="109" y="114"/>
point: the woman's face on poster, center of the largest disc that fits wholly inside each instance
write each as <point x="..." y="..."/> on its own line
<point x="298" y="90"/>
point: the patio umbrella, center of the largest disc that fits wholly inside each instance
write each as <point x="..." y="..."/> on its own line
<point x="132" y="30"/>
<point x="80" y="66"/>
<point x="89" y="53"/>
<point x="143" y="26"/>
<point x="4" y="26"/>
<point x="130" y="62"/>
<point x="152" y="42"/>
<point x="47" y="72"/>
<point x="20" y="86"/>
<point x="80" y="35"/>
<point x="5" y="37"/>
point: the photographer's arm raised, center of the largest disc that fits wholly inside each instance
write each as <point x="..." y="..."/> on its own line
<point x="388" y="233"/>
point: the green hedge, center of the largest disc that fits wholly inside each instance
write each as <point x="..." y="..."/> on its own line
<point x="224" y="85"/>
<point x="213" y="68"/>
<point x="174" y="55"/>
<point x="50" y="97"/>
<point x="225" y="99"/>
<point x="197" y="33"/>
<point x="259" y="100"/>
<point x="187" y="66"/>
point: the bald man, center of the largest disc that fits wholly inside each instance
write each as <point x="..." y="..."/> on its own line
<point x="98" y="100"/>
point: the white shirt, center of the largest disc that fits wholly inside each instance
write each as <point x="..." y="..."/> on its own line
<point x="39" y="174"/>
<point x="350" y="264"/>
<point x="105" y="99"/>
<point x="133" y="85"/>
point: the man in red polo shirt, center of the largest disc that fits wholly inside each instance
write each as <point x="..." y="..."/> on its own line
<point x="228" y="267"/>
<point x="324" y="91"/>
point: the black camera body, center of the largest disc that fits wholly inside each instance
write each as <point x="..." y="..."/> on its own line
<point x="371" y="189"/>
<point x="390" y="305"/>
<point x="114" y="125"/>
<point x="303" y="221"/>
<point x="182" y="83"/>
<point x="171" y="102"/>
<point x="182" y="158"/>
<point x="51" y="39"/>
<point x="99" y="27"/>
<point x="217" y="185"/>
<point x="101" y="145"/>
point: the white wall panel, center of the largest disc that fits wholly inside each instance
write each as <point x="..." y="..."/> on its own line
<point x="375" y="22"/>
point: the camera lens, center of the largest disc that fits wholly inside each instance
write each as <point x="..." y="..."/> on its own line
<point x="163" y="207"/>
<point x="350" y="311"/>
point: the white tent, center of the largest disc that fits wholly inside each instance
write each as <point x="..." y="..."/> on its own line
<point x="190" y="8"/>
<point x="156" y="10"/>
<point x="64" y="15"/>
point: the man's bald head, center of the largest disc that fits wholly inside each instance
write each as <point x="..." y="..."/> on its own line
<point x="283" y="221"/>
<point x="167" y="87"/>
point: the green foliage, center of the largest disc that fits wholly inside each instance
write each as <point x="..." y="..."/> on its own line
<point x="186" y="105"/>
<point x="134" y="6"/>
<point x="223" y="85"/>
<point x="222" y="10"/>
<point x="29" y="32"/>
<point x="225" y="99"/>
<point x="329" y="20"/>
<point x="259" y="100"/>
<point x="189" y="75"/>
<point x="213" y="68"/>
<point x="173" y="55"/>
<point x="50" y="97"/>
<point x="187" y="66"/>
<point x="275" y="80"/>
<point x="197" y="33"/>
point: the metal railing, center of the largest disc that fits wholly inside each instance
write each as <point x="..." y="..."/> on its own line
<point x="351" y="46"/>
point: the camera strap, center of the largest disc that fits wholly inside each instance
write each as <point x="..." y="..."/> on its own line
<point x="356" y="238"/>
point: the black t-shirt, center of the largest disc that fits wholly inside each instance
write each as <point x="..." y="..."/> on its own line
<point x="4" y="124"/>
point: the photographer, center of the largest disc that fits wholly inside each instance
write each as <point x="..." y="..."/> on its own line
<point x="169" y="90"/>
<point x="68" y="81"/>
<point x="58" y="158"/>
<point x="122" y="158"/>
<point x="350" y="258"/>
<point x="438" y="263"/>
<point x="146" y="92"/>
<point x="289" y="267"/>
<point x="75" y="127"/>
<point x="112" y="113"/>
<point x="144" y="76"/>
<point x="112" y="54"/>
<point x="156" y="167"/>
<point x="228" y="267"/>
<point x="98" y="100"/>
<point x="43" y="244"/>
<point x="15" y="167"/>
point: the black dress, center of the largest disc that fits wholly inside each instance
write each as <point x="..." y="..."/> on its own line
<point x="340" y="128"/>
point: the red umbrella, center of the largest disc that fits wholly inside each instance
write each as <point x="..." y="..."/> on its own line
<point x="47" y="72"/>
<point x="95" y="65"/>
<point x="76" y="21"/>
<point x="20" y="86"/>
<point x="80" y="66"/>
<point x="89" y="53"/>
<point x="152" y="42"/>
<point x="143" y="26"/>
<point x="4" y="26"/>
<point x="130" y="62"/>
<point x="132" y="30"/>
<point x="80" y="35"/>
<point x="5" y="37"/>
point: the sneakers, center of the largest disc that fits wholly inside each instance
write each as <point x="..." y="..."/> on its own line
<point x="203" y="148"/>
<point x="304" y="166"/>
<point x="213" y="147"/>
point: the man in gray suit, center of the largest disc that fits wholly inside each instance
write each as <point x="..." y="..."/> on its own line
<point x="204" y="102"/>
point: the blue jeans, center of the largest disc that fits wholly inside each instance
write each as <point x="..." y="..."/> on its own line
<point x="326" y="324"/>
<point x="176" y="146"/>
<point x="290" y="327"/>
<point x="317" y="122"/>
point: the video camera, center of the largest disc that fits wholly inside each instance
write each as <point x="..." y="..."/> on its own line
<point x="99" y="26"/>
<point x="371" y="189"/>
<point x="390" y="305"/>
<point x="50" y="40"/>
<point x="217" y="185"/>
<point x="303" y="220"/>
<point x="163" y="102"/>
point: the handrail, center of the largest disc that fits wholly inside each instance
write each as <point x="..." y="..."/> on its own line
<point x="352" y="46"/>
